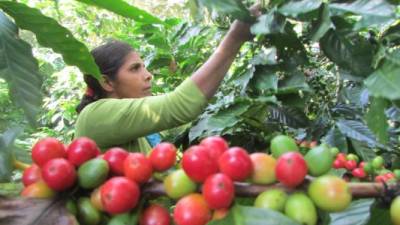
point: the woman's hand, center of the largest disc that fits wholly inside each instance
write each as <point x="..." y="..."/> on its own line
<point x="240" y="30"/>
<point x="209" y="76"/>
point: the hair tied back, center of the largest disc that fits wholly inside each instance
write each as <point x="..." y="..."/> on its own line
<point x="89" y="92"/>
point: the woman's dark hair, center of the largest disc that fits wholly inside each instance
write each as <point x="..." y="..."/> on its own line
<point x="109" y="58"/>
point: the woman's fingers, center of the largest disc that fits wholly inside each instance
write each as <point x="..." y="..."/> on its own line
<point x="255" y="10"/>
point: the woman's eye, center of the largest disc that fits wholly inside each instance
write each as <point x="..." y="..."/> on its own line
<point x="135" y="67"/>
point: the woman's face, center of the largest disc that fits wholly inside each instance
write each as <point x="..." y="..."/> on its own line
<point x="133" y="80"/>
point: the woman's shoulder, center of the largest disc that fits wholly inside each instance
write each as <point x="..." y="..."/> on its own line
<point x="107" y="103"/>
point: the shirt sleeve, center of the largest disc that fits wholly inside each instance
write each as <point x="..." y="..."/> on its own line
<point x="116" y="121"/>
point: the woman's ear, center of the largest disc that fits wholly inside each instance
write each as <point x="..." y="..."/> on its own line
<point x="106" y="84"/>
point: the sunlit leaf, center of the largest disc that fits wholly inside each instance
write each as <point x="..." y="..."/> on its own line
<point x="245" y="215"/>
<point x="358" y="131"/>
<point x="270" y="23"/>
<point x="375" y="12"/>
<point x="384" y="82"/>
<point x="124" y="9"/>
<point x="376" y="119"/>
<point x="336" y="139"/>
<point x="294" y="8"/>
<point x="322" y="25"/>
<point x="353" y="54"/>
<point x="50" y="33"/>
<point x="20" y="69"/>
<point x="358" y="213"/>
<point x="363" y="150"/>
<point x="235" y="8"/>
<point x="6" y="153"/>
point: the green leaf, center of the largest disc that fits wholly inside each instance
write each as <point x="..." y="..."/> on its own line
<point x="358" y="213"/>
<point x="384" y="82"/>
<point x="228" y="117"/>
<point x="270" y="23"/>
<point x="124" y="9"/>
<point x="51" y="34"/>
<point x="265" y="57"/>
<point x="243" y="80"/>
<point x="291" y="50"/>
<point x="353" y="95"/>
<point x="322" y="25"/>
<point x="366" y="153"/>
<point x="373" y="12"/>
<point x="6" y="154"/>
<point x="20" y="69"/>
<point x="358" y="131"/>
<point x="289" y="116"/>
<point x="265" y="80"/>
<point x="365" y="7"/>
<point x="234" y="8"/>
<point x="354" y="54"/>
<point x="376" y="119"/>
<point x="374" y="22"/>
<point x="336" y="139"/>
<point x="11" y="189"/>
<point x="213" y="124"/>
<point x="293" y="84"/>
<point x="6" y="165"/>
<point x="245" y="215"/>
<point x="392" y="35"/>
<point x="295" y="8"/>
<point x="379" y="215"/>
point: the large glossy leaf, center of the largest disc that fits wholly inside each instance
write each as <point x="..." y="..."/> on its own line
<point x="20" y="69"/>
<point x="347" y="110"/>
<point x="6" y="153"/>
<point x="358" y="213"/>
<point x="292" y="100"/>
<point x="291" y="51"/>
<point x="265" y="80"/>
<point x="216" y="123"/>
<point x="393" y="113"/>
<point x="51" y="34"/>
<point x="365" y="7"/>
<point x="392" y="35"/>
<point x="379" y="215"/>
<point x="373" y="12"/>
<point x="245" y="215"/>
<point x="265" y="57"/>
<point x="23" y="211"/>
<point x="366" y="153"/>
<point x="358" y="131"/>
<point x="289" y="116"/>
<point x="243" y="80"/>
<point x="270" y="23"/>
<point x="293" y="84"/>
<point x="234" y="8"/>
<point x="322" y="25"/>
<point x="353" y="95"/>
<point x="354" y="54"/>
<point x="336" y="139"/>
<point x="295" y="8"/>
<point x="124" y="9"/>
<point x="11" y="189"/>
<point x="384" y="82"/>
<point x="376" y="119"/>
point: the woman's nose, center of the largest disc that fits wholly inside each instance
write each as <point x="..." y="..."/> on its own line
<point x="148" y="75"/>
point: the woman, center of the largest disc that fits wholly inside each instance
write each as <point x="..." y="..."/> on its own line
<point x="122" y="111"/>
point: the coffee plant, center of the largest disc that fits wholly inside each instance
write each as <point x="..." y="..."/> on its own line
<point x="324" y="73"/>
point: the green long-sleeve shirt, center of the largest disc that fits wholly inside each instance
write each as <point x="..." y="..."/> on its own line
<point x="125" y="122"/>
